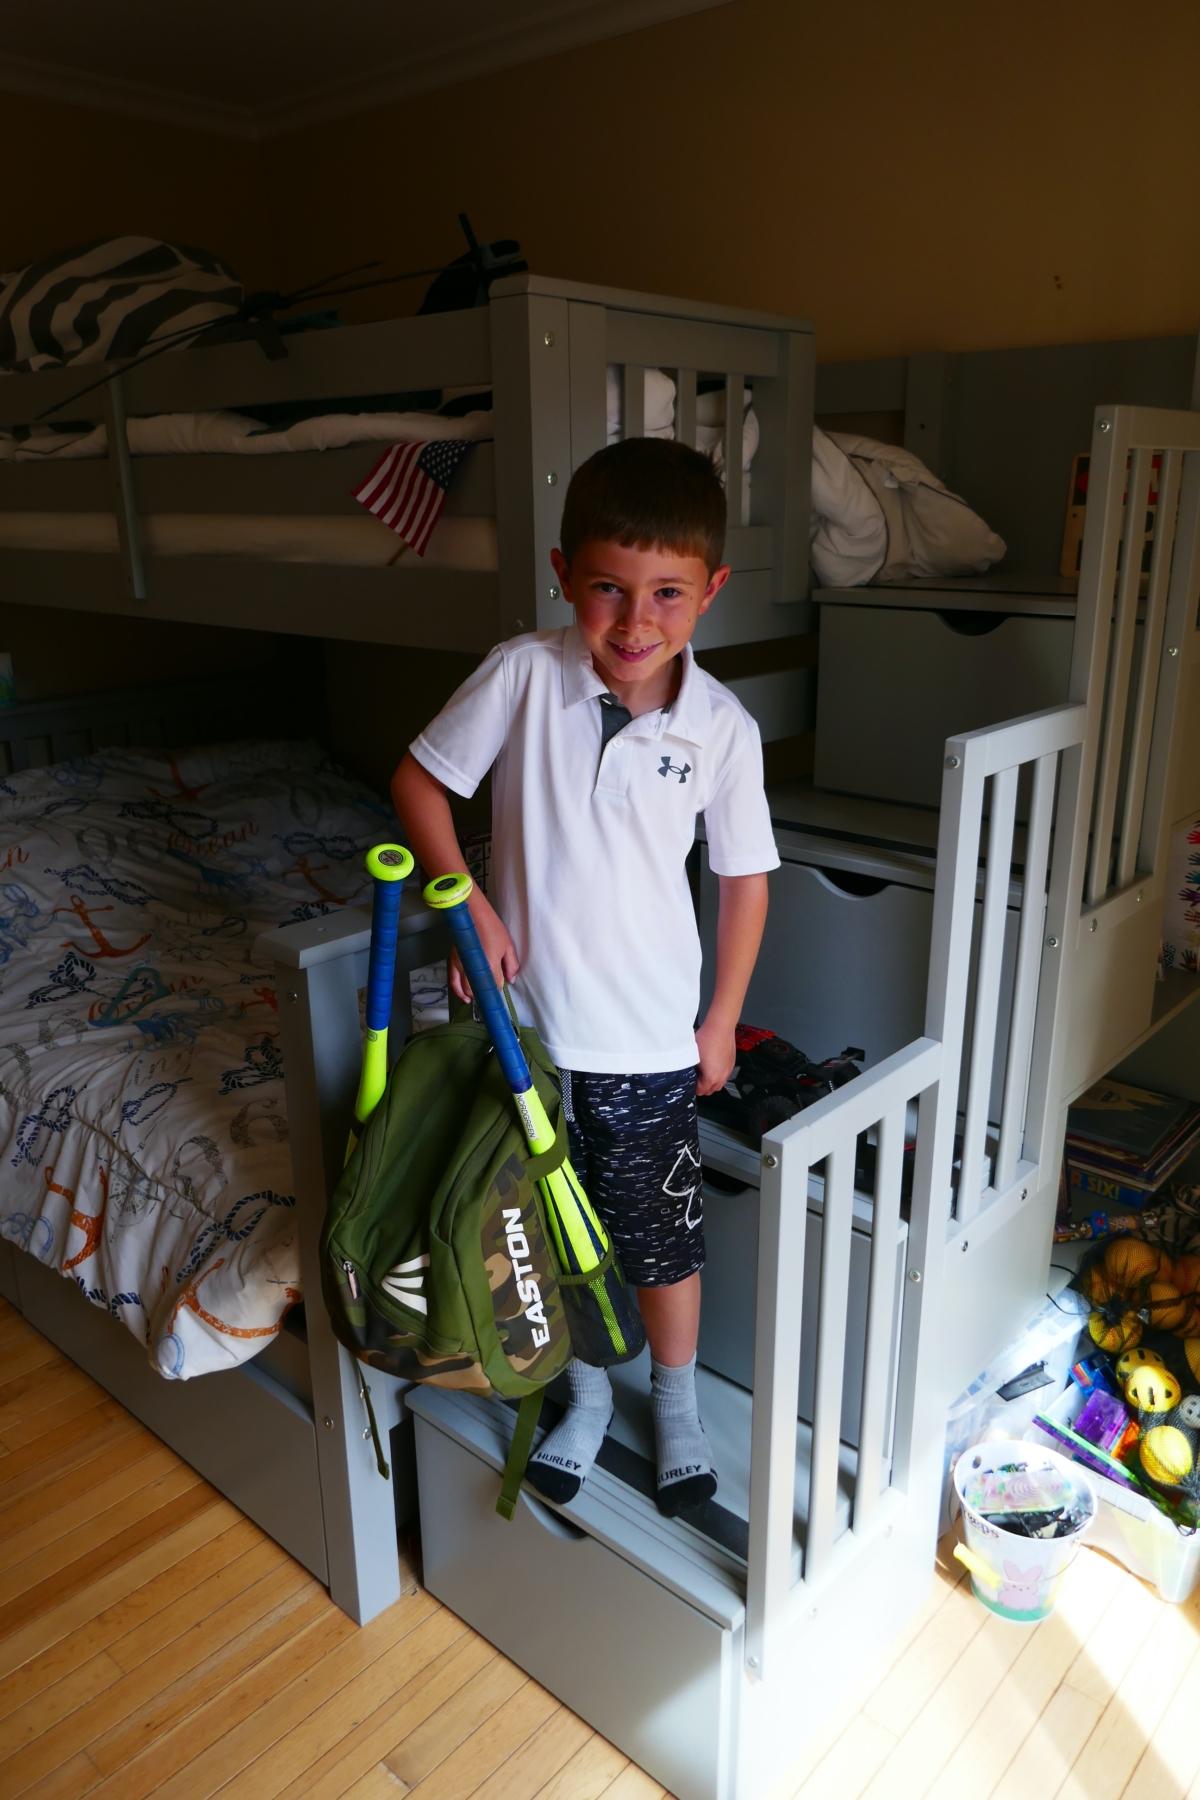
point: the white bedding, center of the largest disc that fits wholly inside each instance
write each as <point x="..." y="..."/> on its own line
<point x="143" y="1133"/>
<point x="342" y="540"/>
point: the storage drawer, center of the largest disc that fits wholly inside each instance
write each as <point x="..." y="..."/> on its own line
<point x="649" y="1669"/>
<point x="895" y="682"/>
<point x="845" y="953"/>
<point x="728" y="1306"/>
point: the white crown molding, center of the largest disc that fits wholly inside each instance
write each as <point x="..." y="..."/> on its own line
<point x="553" y="31"/>
<point x="131" y="99"/>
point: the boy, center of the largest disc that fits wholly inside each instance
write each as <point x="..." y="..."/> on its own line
<point x="607" y="740"/>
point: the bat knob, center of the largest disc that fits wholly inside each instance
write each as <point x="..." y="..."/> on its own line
<point x="445" y="891"/>
<point x="389" y="862"/>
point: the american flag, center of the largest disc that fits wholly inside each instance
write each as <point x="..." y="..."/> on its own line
<point x="407" y="487"/>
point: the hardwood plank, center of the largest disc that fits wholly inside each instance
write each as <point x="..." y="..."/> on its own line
<point x="59" y="1520"/>
<point x="76" y="1647"/>
<point x="68" y="1534"/>
<point x="39" y="1634"/>
<point x="852" y="1762"/>
<point x="490" y="1746"/>
<point x="236" y="1575"/>
<point x="444" y="1730"/>
<point x="334" y="1734"/>
<point x="196" y="1668"/>
<point x="634" y="1784"/>
<point x="1129" y="1720"/>
<point x="52" y="1705"/>
<point x="25" y="1400"/>
<point x="1016" y="1704"/>
<point x="84" y="1397"/>
<point x="541" y="1757"/>
<point x="284" y="1708"/>
<point x="162" y="1769"/>
<point x="1171" y="1760"/>
<point x="588" y="1774"/>
<point x="377" y="1784"/>
<point x="24" y="1358"/>
<point x="70" y="1781"/>
<point x="912" y="1682"/>
<point x="936" y="1730"/>
<point x="78" y="1576"/>
<point x="54" y="1454"/>
<point x="445" y="1654"/>
<point x="24" y="1499"/>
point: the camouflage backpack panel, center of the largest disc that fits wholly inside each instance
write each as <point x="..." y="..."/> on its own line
<point x="434" y="1259"/>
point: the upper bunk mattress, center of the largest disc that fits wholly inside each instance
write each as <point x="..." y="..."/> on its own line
<point x="143" y="1129"/>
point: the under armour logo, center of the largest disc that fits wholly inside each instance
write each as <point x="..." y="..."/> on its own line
<point x="667" y="767"/>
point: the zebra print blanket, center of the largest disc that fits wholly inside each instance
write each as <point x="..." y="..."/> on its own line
<point x="109" y="299"/>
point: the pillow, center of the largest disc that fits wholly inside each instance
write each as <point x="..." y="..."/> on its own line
<point x="930" y="531"/>
<point x="108" y="299"/>
<point x="848" y="536"/>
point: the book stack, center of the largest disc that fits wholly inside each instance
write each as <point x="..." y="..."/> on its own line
<point x="1123" y="1143"/>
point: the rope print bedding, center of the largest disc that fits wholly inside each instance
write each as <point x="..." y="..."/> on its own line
<point x="143" y="1136"/>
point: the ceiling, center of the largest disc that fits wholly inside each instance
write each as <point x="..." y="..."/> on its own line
<point x="253" y="67"/>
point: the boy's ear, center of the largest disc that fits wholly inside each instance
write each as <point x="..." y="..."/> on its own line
<point x="716" y="582"/>
<point x="562" y="569"/>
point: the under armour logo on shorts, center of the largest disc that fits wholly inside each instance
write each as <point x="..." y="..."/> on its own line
<point x="667" y="767"/>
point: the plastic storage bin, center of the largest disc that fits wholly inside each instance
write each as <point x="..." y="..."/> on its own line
<point x="999" y="1401"/>
<point x="1129" y="1527"/>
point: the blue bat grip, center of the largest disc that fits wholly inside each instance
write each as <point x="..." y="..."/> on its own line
<point x="381" y="960"/>
<point x="487" y="997"/>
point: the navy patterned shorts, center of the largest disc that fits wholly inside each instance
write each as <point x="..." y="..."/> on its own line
<point x="635" y="1146"/>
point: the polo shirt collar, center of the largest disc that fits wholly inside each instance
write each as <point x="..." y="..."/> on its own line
<point x="689" y="714"/>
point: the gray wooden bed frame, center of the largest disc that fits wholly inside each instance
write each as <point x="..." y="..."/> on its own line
<point x="839" y="1544"/>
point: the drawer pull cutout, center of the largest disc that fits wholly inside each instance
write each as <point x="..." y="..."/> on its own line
<point x="972" y="624"/>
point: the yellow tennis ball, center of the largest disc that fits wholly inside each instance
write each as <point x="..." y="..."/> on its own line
<point x="1191" y="1349"/>
<point x="1166" y="1455"/>
<point x="1129" y="1360"/>
<point x="1152" y="1389"/>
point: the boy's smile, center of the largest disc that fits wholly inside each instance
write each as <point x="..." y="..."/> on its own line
<point x="636" y="609"/>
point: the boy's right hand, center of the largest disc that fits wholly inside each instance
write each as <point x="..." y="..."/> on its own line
<point x="498" y="947"/>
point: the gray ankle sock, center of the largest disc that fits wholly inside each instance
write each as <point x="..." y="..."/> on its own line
<point x="565" y="1456"/>
<point x="686" y="1472"/>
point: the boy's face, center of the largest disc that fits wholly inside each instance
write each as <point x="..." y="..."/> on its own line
<point x="636" y="609"/>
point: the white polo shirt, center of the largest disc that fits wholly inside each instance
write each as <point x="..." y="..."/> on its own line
<point x="589" y="850"/>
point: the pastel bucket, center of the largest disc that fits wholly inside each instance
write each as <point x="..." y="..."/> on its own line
<point x="1016" y="1576"/>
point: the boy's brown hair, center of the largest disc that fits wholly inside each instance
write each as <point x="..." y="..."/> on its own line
<point x="644" y="492"/>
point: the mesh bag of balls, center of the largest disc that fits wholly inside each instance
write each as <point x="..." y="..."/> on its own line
<point x="1145" y="1317"/>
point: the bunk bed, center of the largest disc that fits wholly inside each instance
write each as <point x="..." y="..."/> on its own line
<point x="905" y="1214"/>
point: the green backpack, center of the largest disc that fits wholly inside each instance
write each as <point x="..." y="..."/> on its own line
<point x="435" y="1261"/>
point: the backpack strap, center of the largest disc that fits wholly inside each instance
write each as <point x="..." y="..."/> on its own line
<point x="528" y="1413"/>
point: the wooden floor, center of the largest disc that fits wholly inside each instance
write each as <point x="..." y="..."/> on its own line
<point x="153" y="1642"/>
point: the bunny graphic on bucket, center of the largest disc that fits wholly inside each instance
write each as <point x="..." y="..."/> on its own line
<point x="1025" y="1511"/>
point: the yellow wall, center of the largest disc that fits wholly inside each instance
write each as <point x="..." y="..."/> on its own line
<point x="75" y="173"/>
<point x="935" y="175"/>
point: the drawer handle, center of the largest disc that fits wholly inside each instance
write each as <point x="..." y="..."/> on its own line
<point x="551" y="1521"/>
<point x="972" y="624"/>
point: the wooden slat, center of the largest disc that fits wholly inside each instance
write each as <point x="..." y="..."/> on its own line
<point x="633" y="401"/>
<point x="1026" y="972"/>
<point x="734" y="432"/>
<point x="1133" y="809"/>
<point x="881" y="1303"/>
<point x="685" y="406"/>
<point x="987" y="989"/>
<point x="1112" y="739"/>
<point x="837" y="1218"/>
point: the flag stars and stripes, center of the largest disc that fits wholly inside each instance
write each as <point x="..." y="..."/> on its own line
<point x="406" y="489"/>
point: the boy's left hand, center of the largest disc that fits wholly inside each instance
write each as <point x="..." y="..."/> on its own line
<point x="718" y="1054"/>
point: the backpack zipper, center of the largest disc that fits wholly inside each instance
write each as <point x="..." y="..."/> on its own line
<point x="351" y="1278"/>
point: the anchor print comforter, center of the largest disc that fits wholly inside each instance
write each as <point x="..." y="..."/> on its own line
<point x="143" y="1134"/>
